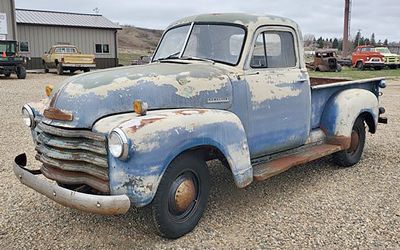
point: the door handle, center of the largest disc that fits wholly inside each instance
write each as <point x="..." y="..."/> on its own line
<point x="302" y="80"/>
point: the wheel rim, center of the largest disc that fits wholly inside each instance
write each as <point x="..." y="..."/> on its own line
<point x="355" y="141"/>
<point x="183" y="195"/>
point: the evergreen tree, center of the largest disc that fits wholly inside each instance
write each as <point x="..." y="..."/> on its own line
<point x="357" y="39"/>
<point x="386" y="42"/>
<point x="320" y="43"/>
<point x="335" y="43"/>
<point x="373" y="42"/>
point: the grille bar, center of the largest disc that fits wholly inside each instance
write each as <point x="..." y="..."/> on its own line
<point x="73" y="157"/>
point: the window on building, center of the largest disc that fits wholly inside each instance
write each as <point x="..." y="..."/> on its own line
<point x="102" y="48"/>
<point x="24" y="46"/>
<point x="106" y="48"/>
<point x="274" y="49"/>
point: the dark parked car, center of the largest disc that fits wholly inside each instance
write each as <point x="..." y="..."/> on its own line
<point x="10" y="61"/>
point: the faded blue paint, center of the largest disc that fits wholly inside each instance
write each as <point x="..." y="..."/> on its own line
<point x="140" y="174"/>
<point x="321" y="96"/>
<point x="162" y="85"/>
<point x="237" y="121"/>
<point x="344" y="108"/>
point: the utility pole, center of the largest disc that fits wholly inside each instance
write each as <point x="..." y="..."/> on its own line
<point x="346" y="30"/>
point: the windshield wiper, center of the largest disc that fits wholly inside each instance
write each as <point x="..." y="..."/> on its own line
<point x="198" y="59"/>
<point x="172" y="56"/>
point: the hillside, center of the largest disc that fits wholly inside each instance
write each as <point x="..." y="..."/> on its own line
<point x="134" y="42"/>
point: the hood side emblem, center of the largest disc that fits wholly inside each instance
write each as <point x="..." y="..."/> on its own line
<point x="56" y="114"/>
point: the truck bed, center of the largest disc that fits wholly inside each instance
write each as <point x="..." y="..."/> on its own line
<point x="322" y="89"/>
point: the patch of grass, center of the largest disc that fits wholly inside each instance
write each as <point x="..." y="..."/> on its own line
<point x="354" y="74"/>
<point x="125" y="58"/>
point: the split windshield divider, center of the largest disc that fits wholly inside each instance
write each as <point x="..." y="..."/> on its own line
<point x="186" y="40"/>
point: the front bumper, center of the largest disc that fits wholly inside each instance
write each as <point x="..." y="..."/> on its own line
<point x="374" y="64"/>
<point x="98" y="204"/>
<point x="73" y="65"/>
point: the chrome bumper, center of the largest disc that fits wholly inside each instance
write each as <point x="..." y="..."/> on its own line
<point x="98" y="204"/>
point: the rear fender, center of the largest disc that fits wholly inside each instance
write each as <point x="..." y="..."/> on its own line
<point x="342" y="110"/>
<point x="157" y="138"/>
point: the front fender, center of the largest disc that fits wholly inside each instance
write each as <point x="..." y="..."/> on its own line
<point x="344" y="108"/>
<point x="157" y="138"/>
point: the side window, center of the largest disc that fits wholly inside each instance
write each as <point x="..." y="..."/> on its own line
<point x="99" y="49"/>
<point x="102" y="48"/>
<point x="24" y="46"/>
<point x="281" y="52"/>
<point x="274" y="49"/>
<point x="258" y="60"/>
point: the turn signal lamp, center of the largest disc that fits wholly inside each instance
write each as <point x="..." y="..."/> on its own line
<point x="49" y="90"/>
<point x="140" y="107"/>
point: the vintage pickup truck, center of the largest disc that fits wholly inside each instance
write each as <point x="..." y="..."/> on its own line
<point x="65" y="57"/>
<point x="232" y="87"/>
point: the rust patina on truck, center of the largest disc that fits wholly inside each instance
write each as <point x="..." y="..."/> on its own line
<point x="232" y="87"/>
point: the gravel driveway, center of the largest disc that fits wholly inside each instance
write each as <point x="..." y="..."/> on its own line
<point x="314" y="206"/>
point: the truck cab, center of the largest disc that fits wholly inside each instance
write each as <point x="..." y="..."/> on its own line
<point x="231" y="87"/>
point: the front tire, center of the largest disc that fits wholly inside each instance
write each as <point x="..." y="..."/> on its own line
<point x="360" y="65"/>
<point x="21" y="72"/>
<point x="181" y="197"/>
<point x="352" y="156"/>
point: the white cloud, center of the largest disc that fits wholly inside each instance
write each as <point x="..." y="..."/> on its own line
<point x="319" y="17"/>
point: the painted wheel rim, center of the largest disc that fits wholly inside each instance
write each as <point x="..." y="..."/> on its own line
<point x="183" y="195"/>
<point x="355" y="140"/>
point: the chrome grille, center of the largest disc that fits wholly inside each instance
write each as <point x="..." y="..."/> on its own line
<point x="73" y="157"/>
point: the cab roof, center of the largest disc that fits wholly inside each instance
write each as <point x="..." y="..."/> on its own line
<point x="248" y="20"/>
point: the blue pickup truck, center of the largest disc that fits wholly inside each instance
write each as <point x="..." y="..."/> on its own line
<point x="232" y="87"/>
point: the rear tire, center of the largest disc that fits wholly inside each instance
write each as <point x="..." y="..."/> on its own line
<point x="181" y="197"/>
<point x="21" y="72"/>
<point x="352" y="156"/>
<point x="7" y="75"/>
<point x="46" y="69"/>
<point x="60" y="69"/>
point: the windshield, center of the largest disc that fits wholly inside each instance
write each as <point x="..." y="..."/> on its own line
<point x="65" y="50"/>
<point x="217" y="42"/>
<point x="383" y="50"/>
<point x="9" y="48"/>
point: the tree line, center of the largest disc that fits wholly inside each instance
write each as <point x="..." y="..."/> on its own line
<point x="337" y="43"/>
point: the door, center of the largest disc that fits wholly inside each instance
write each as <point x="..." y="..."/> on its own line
<point x="279" y="93"/>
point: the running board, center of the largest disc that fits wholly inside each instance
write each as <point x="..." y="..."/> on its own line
<point x="264" y="171"/>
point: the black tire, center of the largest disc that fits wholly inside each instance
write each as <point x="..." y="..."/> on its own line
<point x="46" y="69"/>
<point x="352" y="156"/>
<point x="7" y="74"/>
<point x="60" y="69"/>
<point x="175" y="215"/>
<point x="360" y="65"/>
<point x="21" y="72"/>
<point x="393" y="66"/>
<point x="72" y="71"/>
<point x="86" y="70"/>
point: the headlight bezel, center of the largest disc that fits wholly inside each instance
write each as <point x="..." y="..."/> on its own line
<point x="123" y="141"/>
<point x="31" y="116"/>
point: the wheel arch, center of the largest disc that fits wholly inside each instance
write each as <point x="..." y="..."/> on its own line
<point x="160" y="137"/>
<point x="344" y="108"/>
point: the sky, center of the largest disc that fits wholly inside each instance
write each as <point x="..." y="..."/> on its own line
<point x="317" y="17"/>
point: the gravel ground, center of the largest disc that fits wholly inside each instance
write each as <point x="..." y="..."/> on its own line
<point x="314" y="206"/>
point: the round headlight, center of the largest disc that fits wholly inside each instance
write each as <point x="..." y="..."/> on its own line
<point x="118" y="144"/>
<point x="28" y="116"/>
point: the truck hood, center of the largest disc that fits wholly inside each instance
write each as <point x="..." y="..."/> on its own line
<point x="92" y="96"/>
